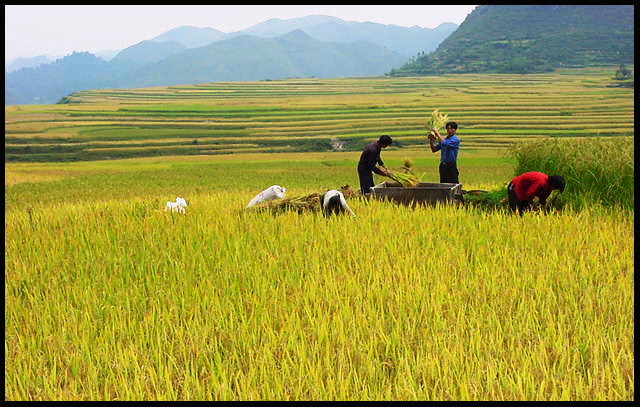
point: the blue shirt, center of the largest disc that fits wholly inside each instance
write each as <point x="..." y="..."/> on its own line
<point x="449" y="149"/>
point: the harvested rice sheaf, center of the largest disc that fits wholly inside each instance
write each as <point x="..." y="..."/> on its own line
<point x="436" y="121"/>
<point x="407" y="180"/>
<point x="300" y="204"/>
<point x="305" y="203"/>
<point x="405" y="176"/>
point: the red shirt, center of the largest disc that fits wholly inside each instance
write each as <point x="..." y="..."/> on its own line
<point x="531" y="184"/>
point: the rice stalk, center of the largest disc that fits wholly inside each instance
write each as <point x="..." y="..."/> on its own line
<point x="437" y="121"/>
<point x="404" y="179"/>
<point x="405" y="176"/>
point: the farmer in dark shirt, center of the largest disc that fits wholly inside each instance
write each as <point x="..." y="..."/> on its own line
<point x="523" y="188"/>
<point x="448" y="147"/>
<point x="367" y="165"/>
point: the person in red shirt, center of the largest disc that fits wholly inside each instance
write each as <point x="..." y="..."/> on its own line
<point x="523" y="188"/>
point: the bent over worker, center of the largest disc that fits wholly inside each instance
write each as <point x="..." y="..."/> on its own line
<point x="333" y="202"/>
<point x="523" y="188"/>
<point x="367" y="165"/>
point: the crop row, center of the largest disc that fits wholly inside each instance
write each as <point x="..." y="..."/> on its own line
<point x="491" y="110"/>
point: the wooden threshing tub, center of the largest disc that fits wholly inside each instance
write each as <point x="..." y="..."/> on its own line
<point x="423" y="193"/>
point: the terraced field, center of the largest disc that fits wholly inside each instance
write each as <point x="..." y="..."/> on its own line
<point x="301" y="115"/>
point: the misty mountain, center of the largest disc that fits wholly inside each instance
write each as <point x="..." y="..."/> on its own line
<point x="19" y="63"/>
<point x="312" y="46"/>
<point x="190" y="37"/>
<point x="243" y="58"/>
<point x="250" y="58"/>
<point x="107" y="55"/>
<point x="276" y="27"/>
<point x="404" y="40"/>
<point x="15" y="64"/>
<point x="48" y="83"/>
<point x="145" y="52"/>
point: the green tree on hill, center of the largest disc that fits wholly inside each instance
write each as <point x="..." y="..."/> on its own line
<point x="622" y="73"/>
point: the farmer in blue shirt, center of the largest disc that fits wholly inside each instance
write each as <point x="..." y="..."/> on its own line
<point x="448" y="147"/>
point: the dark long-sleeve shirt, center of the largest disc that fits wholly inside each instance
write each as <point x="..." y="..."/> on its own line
<point x="369" y="158"/>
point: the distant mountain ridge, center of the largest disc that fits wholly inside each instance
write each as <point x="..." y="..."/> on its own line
<point x="408" y="41"/>
<point x="249" y="58"/>
<point x="42" y="85"/>
<point x="276" y="27"/>
<point x="312" y="46"/>
<point x="19" y="63"/>
<point x="538" y="38"/>
<point x="243" y="58"/>
<point x="146" y="52"/>
<point x="190" y="37"/>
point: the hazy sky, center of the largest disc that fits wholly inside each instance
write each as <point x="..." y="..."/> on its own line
<point x="59" y="30"/>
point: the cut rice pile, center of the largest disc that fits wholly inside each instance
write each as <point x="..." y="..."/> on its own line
<point x="310" y="203"/>
<point x="405" y="176"/>
<point x="405" y="179"/>
<point x="300" y="204"/>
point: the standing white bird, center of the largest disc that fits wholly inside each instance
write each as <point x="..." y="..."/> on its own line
<point x="178" y="206"/>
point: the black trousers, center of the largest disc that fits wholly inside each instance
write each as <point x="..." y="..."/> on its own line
<point x="514" y="204"/>
<point x="449" y="173"/>
<point x="366" y="181"/>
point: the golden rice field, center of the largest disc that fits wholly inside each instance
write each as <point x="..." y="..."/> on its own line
<point x="109" y="297"/>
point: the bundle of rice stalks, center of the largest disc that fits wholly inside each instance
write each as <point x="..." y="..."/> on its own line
<point x="405" y="176"/>
<point x="300" y="204"/>
<point x="406" y="179"/>
<point x="437" y="121"/>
